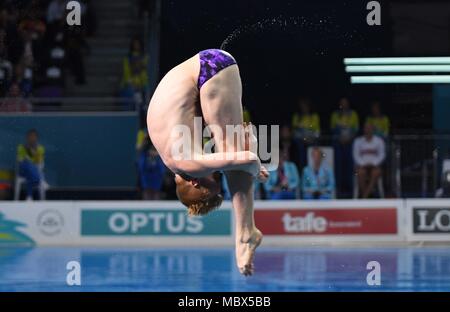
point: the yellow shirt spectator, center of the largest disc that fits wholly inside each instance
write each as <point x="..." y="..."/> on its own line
<point x="246" y="115"/>
<point x="382" y="125"/>
<point x="307" y="124"/>
<point x="345" y="121"/>
<point x="36" y="155"/>
<point x="141" y="135"/>
<point x="135" y="73"/>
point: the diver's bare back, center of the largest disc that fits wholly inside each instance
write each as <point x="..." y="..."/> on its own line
<point x="172" y="104"/>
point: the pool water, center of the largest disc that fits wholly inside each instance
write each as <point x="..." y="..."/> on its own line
<point x="213" y="269"/>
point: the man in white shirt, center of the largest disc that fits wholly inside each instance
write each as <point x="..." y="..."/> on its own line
<point x="368" y="154"/>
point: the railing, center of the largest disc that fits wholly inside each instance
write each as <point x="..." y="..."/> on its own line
<point x="416" y="164"/>
<point x="76" y="104"/>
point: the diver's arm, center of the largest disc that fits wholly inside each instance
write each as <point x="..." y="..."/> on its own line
<point x="206" y="164"/>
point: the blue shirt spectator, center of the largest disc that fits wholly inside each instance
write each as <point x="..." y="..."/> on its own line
<point x="30" y="158"/>
<point x="151" y="172"/>
<point x="283" y="182"/>
<point x="318" y="178"/>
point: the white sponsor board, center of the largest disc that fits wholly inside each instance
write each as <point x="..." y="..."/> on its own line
<point x="38" y="223"/>
<point x="428" y="219"/>
<point x="165" y="223"/>
<point x="111" y="224"/>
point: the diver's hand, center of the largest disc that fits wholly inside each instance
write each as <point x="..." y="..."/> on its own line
<point x="263" y="174"/>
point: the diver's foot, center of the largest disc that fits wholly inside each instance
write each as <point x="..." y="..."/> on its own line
<point x="245" y="251"/>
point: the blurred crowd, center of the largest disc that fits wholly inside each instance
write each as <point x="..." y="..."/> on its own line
<point x="38" y="49"/>
<point x="348" y="164"/>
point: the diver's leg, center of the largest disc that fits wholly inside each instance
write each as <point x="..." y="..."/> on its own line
<point x="220" y="99"/>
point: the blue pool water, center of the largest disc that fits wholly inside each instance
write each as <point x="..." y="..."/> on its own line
<point x="212" y="269"/>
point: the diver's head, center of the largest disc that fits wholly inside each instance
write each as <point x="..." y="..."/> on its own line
<point x="199" y="195"/>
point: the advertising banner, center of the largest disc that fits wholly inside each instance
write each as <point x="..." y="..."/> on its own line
<point x="152" y="222"/>
<point x="342" y="220"/>
<point x="165" y="223"/>
<point x="428" y="220"/>
<point x="118" y="224"/>
<point x="38" y="223"/>
<point x="331" y="221"/>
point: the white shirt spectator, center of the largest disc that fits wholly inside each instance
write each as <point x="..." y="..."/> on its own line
<point x="369" y="152"/>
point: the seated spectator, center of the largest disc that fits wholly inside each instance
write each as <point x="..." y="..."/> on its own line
<point x="30" y="158"/>
<point x="306" y="128"/>
<point x="283" y="182"/>
<point x="318" y="178"/>
<point x="344" y="126"/>
<point x="380" y="122"/>
<point x="14" y="102"/>
<point x="151" y="171"/>
<point x="369" y="154"/>
<point x="135" y="79"/>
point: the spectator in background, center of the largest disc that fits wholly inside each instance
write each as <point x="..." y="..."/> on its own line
<point x="318" y="178"/>
<point x="24" y="77"/>
<point x="306" y="127"/>
<point x="26" y="49"/>
<point x="76" y="44"/>
<point x="380" y="122"/>
<point x="247" y="117"/>
<point x="6" y="68"/>
<point x="7" y="31"/>
<point x="283" y="182"/>
<point x="56" y="11"/>
<point x="135" y="78"/>
<point x="73" y="37"/>
<point x="151" y="171"/>
<point x="344" y="126"/>
<point x="30" y="158"/>
<point x="369" y="154"/>
<point x="14" y="102"/>
<point x="31" y="29"/>
<point x="288" y="145"/>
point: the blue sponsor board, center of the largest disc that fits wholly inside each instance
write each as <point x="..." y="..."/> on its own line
<point x="152" y="222"/>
